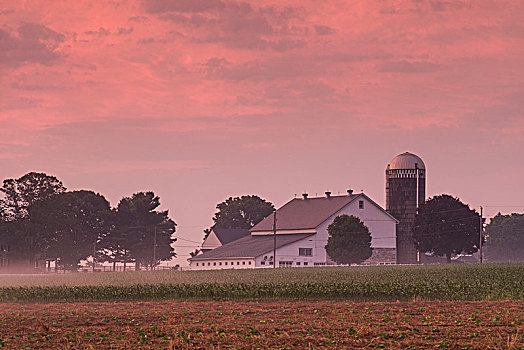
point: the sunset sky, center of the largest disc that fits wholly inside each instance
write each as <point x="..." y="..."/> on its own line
<point x="199" y="100"/>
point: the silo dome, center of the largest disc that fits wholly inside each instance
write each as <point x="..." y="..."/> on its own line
<point x="406" y="161"/>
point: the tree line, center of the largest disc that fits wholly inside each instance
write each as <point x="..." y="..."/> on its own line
<point x="40" y="220"/>
<point x="445" y="226"/>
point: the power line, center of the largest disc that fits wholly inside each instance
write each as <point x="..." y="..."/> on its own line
<point x="505" y="206"/>
<point x="188" y="240"/>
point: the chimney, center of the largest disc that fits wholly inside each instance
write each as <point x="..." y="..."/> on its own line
<point x="350" y="192"/>
<point x="328" y="194"/>
<point x="304" y="195"/>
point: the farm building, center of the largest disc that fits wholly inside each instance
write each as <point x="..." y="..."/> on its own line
<point x="301" y="235"/>
<point x="219" y="237"/>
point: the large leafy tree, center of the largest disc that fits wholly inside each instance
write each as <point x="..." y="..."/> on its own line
<point x="69" y="225"/>
<point x="142" y="233"/>
<point x="505" y="240"/>
<point x="445" y="226"/>
<point x="349" y="240"/>
<point x="25" y="243"/>
<point x="240" y="213"/>
<point x="20" y="193"/>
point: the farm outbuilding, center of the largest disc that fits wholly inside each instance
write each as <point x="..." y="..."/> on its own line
<point x="301" y="235"/>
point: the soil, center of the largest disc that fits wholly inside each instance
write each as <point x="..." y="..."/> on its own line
<point x="281" y="324"/>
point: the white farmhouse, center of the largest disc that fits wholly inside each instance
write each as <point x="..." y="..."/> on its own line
<point x="301" y="235"/>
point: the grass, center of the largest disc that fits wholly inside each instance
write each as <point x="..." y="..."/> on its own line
<point x="371" y="283"/>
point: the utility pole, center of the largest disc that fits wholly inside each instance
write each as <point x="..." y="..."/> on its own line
<point x="481" y="235"/>
<point x="154" y="250"/>
<point x="274" y="239"/>
<point x="416" y="203"/>
<point x="94" y="255"/>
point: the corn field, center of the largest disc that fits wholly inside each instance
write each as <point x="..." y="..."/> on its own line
<point x="372" y="283"/>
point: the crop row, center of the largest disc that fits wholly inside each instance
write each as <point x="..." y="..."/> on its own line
<point x="495" y="282"/>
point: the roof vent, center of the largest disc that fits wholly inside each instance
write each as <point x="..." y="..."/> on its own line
<point x="328" y="194"/>
<point x="350" y="192"/>
<point x="304" y="195"/>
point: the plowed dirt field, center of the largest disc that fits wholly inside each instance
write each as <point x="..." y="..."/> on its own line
<point x="263" y="325"/>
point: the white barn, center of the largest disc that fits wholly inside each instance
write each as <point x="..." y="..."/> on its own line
<point x="219" y="237"/>
<point x="302" y="235"/>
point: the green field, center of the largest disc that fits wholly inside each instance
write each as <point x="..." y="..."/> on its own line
<point x="372" y="283"/>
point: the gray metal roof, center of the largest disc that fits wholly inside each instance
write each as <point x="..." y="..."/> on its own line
<point x="250" y="246"/>
<point x="299" y="214"/>
<point x="226" y="235"/>
<point x="406" y="160"/>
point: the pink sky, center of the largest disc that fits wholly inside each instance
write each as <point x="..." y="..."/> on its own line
<point x="199" y="100"/>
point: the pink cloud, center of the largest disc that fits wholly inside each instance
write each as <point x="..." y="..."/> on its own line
<point x="160" y="6"/>
<point x="33" y="43"/>
<point x="408" y="67"/>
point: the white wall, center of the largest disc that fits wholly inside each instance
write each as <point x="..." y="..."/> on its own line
<point x="211" y="241"/>
<point x="381" y="226"/>
<point x="221" y="264"/>
<point x="290" y="253"/>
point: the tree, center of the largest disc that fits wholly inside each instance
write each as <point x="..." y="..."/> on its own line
<point x="349" y="240"/>
<point x="20" y="193"/>
<point x="68" y="226"/>
<point x="142" y="234"/>
<point x="505" y="240"/>
<point x="14" y="235"/>
<point x="194" y="253"/>
<point x="15" y="227"/>
<point x="445" y="226"/>
<point x="240" y="213"/>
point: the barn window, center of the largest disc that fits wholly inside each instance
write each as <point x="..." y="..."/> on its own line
<point x="360" y="204"/>
<point x="305" y="251"/>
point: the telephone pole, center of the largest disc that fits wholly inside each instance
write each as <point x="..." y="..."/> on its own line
<point x="481" y="235"/>
<point x="275" y="239"/>
<point x="94" y="255"/>
<point x="154" y="250"/>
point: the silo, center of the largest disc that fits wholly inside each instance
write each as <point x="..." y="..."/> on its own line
<point x="405" y="187"/>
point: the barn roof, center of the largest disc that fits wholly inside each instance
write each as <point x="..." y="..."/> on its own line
<point x="250" y="246"/>
<point x="299" y="214"/>
<point x="226" y="236"/>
